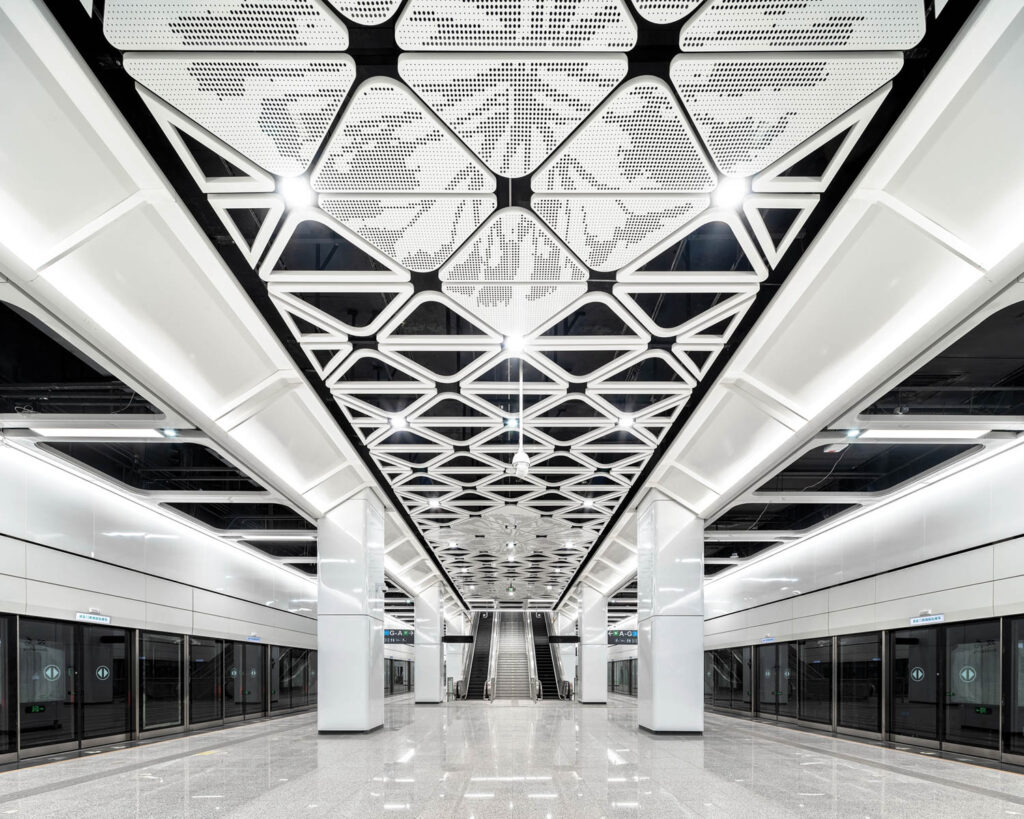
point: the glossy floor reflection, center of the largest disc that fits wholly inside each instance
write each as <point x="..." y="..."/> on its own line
<point x="479" y="760"/>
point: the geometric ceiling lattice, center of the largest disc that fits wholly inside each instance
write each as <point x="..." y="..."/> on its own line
<point x="514" y="273"/>
<point x="223" y="25"/>
<point x="539" y="25"/>
<point x="367" y="12"/>
<point x="751" y="109"/>
<point x="274" y="109"/>
<point x="418" y="232"/>
<point x="639" y="140"/>
<point x="389" y="141"/>
<point x="665" y="11"/>
<point x="449" y="318"/>
<point x="512" y="111"/>
<point x="609" y="232"/>
<point x="825" y="25"/>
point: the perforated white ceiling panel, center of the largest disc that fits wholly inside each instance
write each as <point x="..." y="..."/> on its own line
<point x="514" y="273"/>
<point x="771" y="25"/>
<point x="369" y="12"/>
<point x="420" y="232"/>
<point x="274" y="109"/>
<point x="212" y="25"/>
<point x="512" y="111"/>
<point x="389" y="141"/>
<point x="511" y="25"/>
<point x="665" y="11"/>
<point x="638" y="140"/>
<point x="749" y="110"/>
<point x="609" y="232"/>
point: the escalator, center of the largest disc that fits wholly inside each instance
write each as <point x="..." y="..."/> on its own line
<point x="481" y="657"/>
<point x="542" y="651"/>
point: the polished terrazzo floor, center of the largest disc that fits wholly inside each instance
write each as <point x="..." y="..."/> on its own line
<point x="522" y="760"/>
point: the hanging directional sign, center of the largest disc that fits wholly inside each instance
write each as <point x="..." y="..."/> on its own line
<point x="917" y="673"/>
<point x="968" y="674"/>
<point x="399" y="636"/>
<point x="52" y="673"/>
<point x="102" y="672"/>
<point x="623" y="638"/>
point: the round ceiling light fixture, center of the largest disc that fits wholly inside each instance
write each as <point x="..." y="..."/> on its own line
<point x="296" y="192"/>
<point x="399" y="422"/>
<point x="514" y="344"/>
<point x="730" y="192"/>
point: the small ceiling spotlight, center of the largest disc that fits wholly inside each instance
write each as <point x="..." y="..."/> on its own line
<point x="729" y="193"/>
<point x="511" y="544"/>
<point x="853" y="433"/>
<point x="452" y="544"/>
<point x="434" y="503"/>
<point x="514" y="344"/>
<point x="558" y="569"/>
<point x="169" y="433"/>
<point x="296" y="192"/>
<point x="587" y="503"/>
<point x="464" y="569"/>
<point x="399" y="422"/>
<point x="511" y="558"/>
<point x="512" y="423"/>
<point x="626" y="421"/>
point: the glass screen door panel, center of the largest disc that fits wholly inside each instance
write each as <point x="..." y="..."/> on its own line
<point x="767" y="682"/>
<point x="312" y="678"/>
<point x="8" y="687"/>
<point x="972" y="684"/>
<point x="815" y="681"/>
<point x="106" y="682"/>
<point x="709" y="678"/>
<point x="255" y="679"/>
<point x="788" y="680"/>
<point x="234" y="679"/>
<point x="860" y="681"/>
<point x="280" y="698"/>
<point x="205" y="679"/>
<point x="1015" y="693"/>
<point x="46" y="682"/>
<point x="915" y="682"/>
<point x="162" y="664"/>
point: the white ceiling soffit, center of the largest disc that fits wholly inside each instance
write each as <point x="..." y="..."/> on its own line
<point x="409" y="285"/>
<point x="118" y="259"/>
<point x="927" y="236"/>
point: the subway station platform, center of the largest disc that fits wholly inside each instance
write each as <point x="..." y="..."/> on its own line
<point x="530" y="760"/>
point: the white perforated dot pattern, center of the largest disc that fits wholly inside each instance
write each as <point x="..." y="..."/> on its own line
<point x="196" y="25"/>
<point x="609" y="232"/>
<point x="388" y="141"/>
<point x="497" y="25"/>
<point x="665" y="11"/>
<point x="790" y="25"/>
<point x="417" y="232"/>
<point x="275" y="110"/>
<point x="637" y="141"/>
<point x="750" y="110"/>
<point x="512" y="111"/>
<point x="369" y="12"/>
<point x="514" y="274"/>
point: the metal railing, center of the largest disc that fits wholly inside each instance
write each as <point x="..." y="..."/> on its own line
<point x="536" y="689"/>
<point x="562" y="686"/>
<point x="492" y="659"/>
<point x="467" y="661"/>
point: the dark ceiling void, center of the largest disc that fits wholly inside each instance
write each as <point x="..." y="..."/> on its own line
<point x="737" y="549"/>
<point x="623" y="602"/>
<point x="714" y="568"/>
<point x="776" y="517"/>
<point x="40" y="373"/>
<point x="862" y="467"/>
<point x="710" y="247"/>
<point x="981" y="373"/>
<point x="397" y="603"/>
<point x="284" y="548"/>
<point x="159" y="467"/>
<point x="238" y="516"/>
<point x="308" y="568"/>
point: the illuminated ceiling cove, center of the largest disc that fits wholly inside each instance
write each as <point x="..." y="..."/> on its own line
<point x="486" y="226"/>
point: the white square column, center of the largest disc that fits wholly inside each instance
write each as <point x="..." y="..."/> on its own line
<point x="455" y="653"/>
<point x="429" y="614"/>
<point x="670" y="616"/>
<point x="350" y="615"/>
<point x="593" y="654"/>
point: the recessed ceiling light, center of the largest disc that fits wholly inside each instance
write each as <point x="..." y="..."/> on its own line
<point x="626" y="421"/>
<point x="399" y="422"/>
<point x="434" y="503"/>
<point x="514" y="344"/>
<point x="512" y="422"/>
<point x="452" y="544"/>
<point x="729" y="193"/>
<point x="924" y="433"/>
<point x="587" y="503"/>
<point x="511" y="544"/>
<point x="168" y="432"/>
<point x="110" y="432"/>
<point x="853" y="433"/>
<point x="296" y="192"/>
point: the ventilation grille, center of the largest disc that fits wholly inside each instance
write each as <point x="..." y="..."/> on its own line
<point x="387" y="141"/>
<point x="610" y="232"/>
<point x="417" y="232"/>
<point x="253" y="25"/>
<point x="750" y="110"/>
<point x="498" y="25"/>
<point x="639" y="140"/>
<point x="512" y="111"/>
<point x="784" y="25"/>
<point x="514" y="274"/>
<point x="275" y="110"/>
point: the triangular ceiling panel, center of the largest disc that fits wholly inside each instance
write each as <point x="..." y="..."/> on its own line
<point x="367" y="12"/>
<point x="698" y="356"/>
<point x="250" y="220"/>
<point x="513" y="111"/>
<point x="777" y="178"/>
<point x="274" y="109"/>
<point x="540" y="25"/>
<point x="357" y="309"/>
<point x="751" y="109"/>
<point x="668" y="309"/>
<point x="638" y="141"/>
<point x="758" y="207"/>
<point x="388" y="141"/>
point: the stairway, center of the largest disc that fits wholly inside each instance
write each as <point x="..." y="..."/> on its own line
<point x="481" y="656"/>
<point x="542" y="651"/>
<point x="512" y="680"/>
